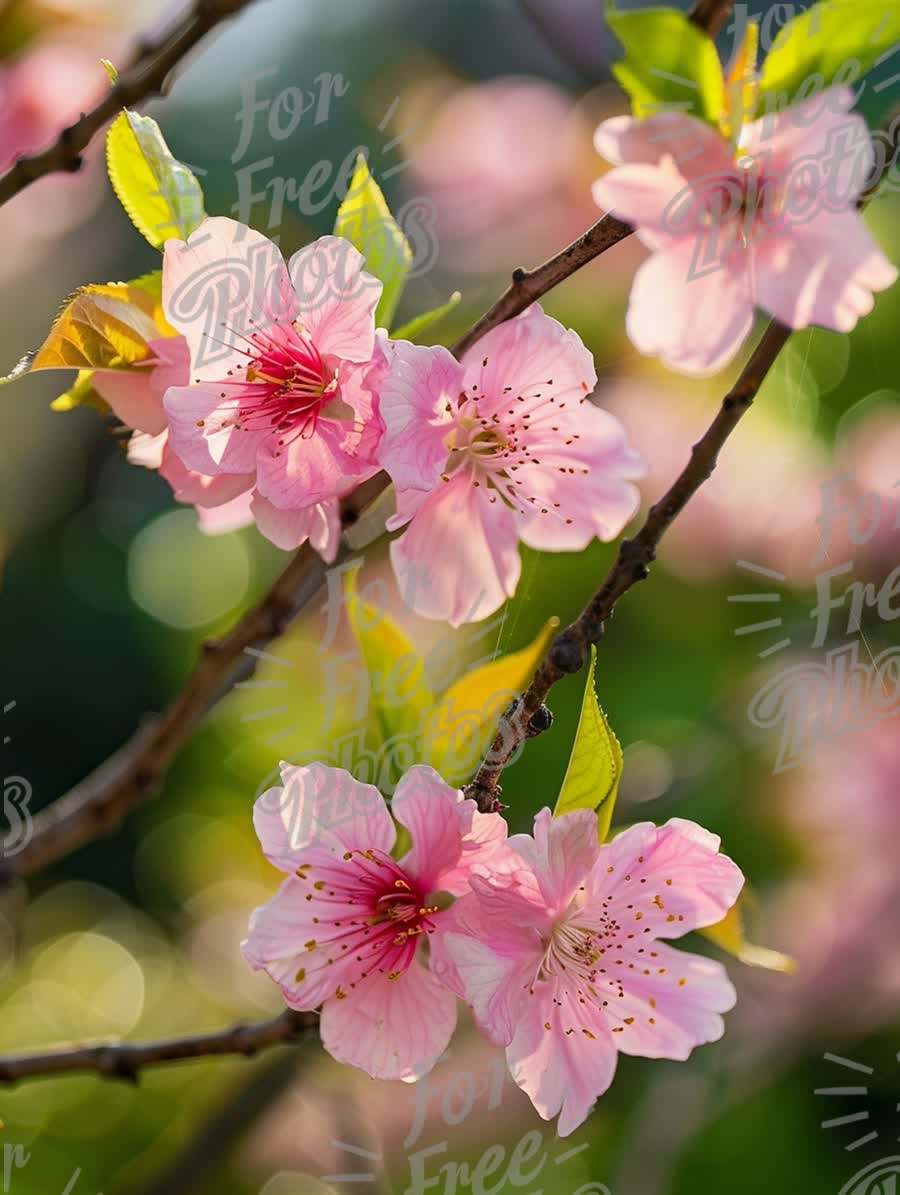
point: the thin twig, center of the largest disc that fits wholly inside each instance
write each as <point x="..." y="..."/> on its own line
<point x="145" y="77"/>
<point x="569" y="651"/>
<point x="126" y="1060"/>
<point x="528" y="286"/>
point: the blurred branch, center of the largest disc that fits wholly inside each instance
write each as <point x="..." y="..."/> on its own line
<point x="710" y="15"/>
<point x="134" y="773"/>
<point x="571" y="648"/>
<point x="125" y="1061"/>
<point x="144" y="77"/>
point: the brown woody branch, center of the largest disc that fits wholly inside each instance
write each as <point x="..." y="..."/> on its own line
<point x="569" y="651"/>
<point x="145" y="76"/>
<point x="127" y="1060"/>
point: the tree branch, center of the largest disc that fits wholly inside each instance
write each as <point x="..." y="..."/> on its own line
<point x="528" y="286"/>
<point x="144" y="77"/>
<point x="126" y="1060"/>
<point x="134" y="773"/>
<point x="570" y="649"/>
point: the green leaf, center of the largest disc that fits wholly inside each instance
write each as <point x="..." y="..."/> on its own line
<point x="463" y="721"/>
<point x="595" y="765"/>
<point x="399" y="691"/>
<point x="669" y="63"/>
<point x="101" y="327"/>
<point x="162" y="197"/>
<point x="111" y="71"/>
<point x="81" y="394"/>
<point x="730" y="934"/>
<point x="365" y="219"/>
<point x="417" y="325"/>
<point x="825" y="41"/>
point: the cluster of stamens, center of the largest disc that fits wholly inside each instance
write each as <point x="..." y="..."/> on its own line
<point x="283" y="387"/>
<point x="494" y="448"/>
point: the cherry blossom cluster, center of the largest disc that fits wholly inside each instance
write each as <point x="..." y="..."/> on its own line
<point x="552" y="939"/>
<point x="277" y="412"/>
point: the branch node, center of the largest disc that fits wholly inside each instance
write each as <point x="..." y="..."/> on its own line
<point x="519" y="275"/>
<point x="540" y="720"/>
<point x="567" y="654"/>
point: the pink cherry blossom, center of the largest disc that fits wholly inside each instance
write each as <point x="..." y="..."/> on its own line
<point x="225" y="501"/>
<point x="282" y="363"/>
<point x="345" y="929"/>
<point x="774" y="225"/>
<point x="558" y="953"/>
<point x="501" y="447"/>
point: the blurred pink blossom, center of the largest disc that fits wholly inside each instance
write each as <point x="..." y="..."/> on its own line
<point x="762" y="502"/>
<point x="506" y="163"/>
<point x="731" y="232"/>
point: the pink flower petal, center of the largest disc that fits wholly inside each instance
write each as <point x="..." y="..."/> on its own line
<point x="673" y="1009"/>
<point x="437" y="818"/>
<point x="288" y="529"/>
<point x="562" y="1055"/>
<point x="203" y="435"/>
<point x="695" y="324"/>
<point x="666" y="880"/>
<point x="642" y="195"/>
<point x="133" y="398"/>
<point x="561" y="854"/>
<point x="529" y="360"/>
<point x="458" y="561"/>
<point x="226" y="517"/>
<point x="276" y="944"/>
<point x="201" y="489"/>
<point x="492" y="973"/>
<point x="413" y="404"/>
<point x="147" y="451"/>
<point x="305" y="472"/>
<point x="219" y="285"/>
<point x="695" y="148"/>
<point x="336" y="298"/>
<point x="822" y="272"/>
<point x="391" y="1029"/>
<point x="322" y="806"/>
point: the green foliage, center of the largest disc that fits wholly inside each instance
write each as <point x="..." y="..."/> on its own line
<point x="595" y="764"/>
<point x="81" y="394"/>
<point x="161" y="196"/>
<point x="365" y="219"/>
<point x="730" y="934"/>
<point x="104" y="326"/>
<point x="669" y="63"/>
<point x="450" y="730"/>
<point x="416" y="326"/>
<point x="460" y="728"/>
<point x="833" y="41"/>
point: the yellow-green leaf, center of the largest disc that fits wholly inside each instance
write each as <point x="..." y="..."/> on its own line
<point x="162" y="196"/>
<point x="730" y="934"/>
<point x="415" y="327"/>
<point x="459" y="728"/>
<point x="111" y="71"/>
<point x="101" y="327"/>
<point x="820" y="46"/>
<point x="595" y="765"/>
<point x="365" y="219"/>
<point x="669" y="63"/>
<point x="399" y="692"/>
<point x="81" y="394"/>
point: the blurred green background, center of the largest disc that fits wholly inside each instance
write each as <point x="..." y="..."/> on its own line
<point x="484" y="108"/>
